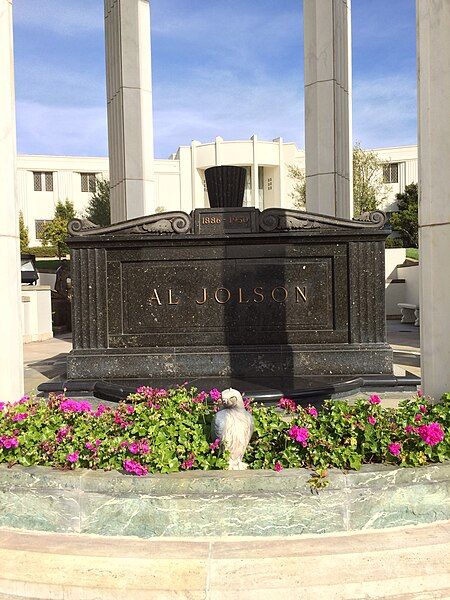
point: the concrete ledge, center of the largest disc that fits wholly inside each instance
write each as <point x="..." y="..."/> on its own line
<point x="400" y="564"/>
<point x="217" y="503"/>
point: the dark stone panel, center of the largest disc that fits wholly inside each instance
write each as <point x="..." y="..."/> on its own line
<point x="229" y="292"/>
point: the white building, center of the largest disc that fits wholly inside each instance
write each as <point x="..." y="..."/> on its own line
<point x="180" y="180"/>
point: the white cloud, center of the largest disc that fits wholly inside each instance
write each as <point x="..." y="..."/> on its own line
<point x="64" y="17"/>
<point x="67" y="130"/>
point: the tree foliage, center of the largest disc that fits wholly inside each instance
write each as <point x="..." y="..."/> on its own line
<point x="99" y="207"/>
<point x="23" y="232"/>
<point x="406" y="220"/>
<point x="298" y="193"/>
<point x="368" y="187"/>
<point x="55" y="232"/>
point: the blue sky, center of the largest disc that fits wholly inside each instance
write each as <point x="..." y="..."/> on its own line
<point x="220" y="67"/>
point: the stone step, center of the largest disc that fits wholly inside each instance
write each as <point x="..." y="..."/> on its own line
<point x="395" y="564"/>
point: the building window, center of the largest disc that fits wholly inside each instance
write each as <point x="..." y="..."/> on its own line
<point x="40" y="225"/>
<point x="390" y="173"/>
<point x="269" y="183"/>
<point x="43" y="180"/>
<point x="88" y="182"/>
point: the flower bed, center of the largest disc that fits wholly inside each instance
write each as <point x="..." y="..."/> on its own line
<point x="164" y="431"/>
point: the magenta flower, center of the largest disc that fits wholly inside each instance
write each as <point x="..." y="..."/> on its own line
<point x="299" y="434"/>
<point x="8" y="442"/>
<point x="371" y="420"/>
<point x="2" y="406"/>
<point x="278" y="466"/>
<point x="100" y="410"/>
<point x="215" y="444"/>
<point x="75" y="406"/>
<point x="395" y="448"/>
<point x="410" y="429"/>
<point x="312" y="411"/>
<point x="374" y="399"/>
<point x="431" y="434"/>
<point x="188" y="463"/>
<point x="200" y="398"/>
<point x="418" y="417"/>
<point x="132" y="466"/>
<point x="130" y="409"/>
<point x="419" y="393"/>
<point x="287" y="404"/>
<point x="423" y="408"/>
<point x="247" y="403"/>
<point x="73" y="457"/>
<point x="215" y="395"/>
<point x="61" y="434"/>
<point x="152" y="393"/>
<point x="19" y="417"/>
<point x="133" y="448"/>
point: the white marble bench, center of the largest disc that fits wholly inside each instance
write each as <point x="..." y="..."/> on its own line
<point x="410" y="313"/>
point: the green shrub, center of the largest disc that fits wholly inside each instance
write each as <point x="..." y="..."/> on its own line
<point x="392" y="242"/>
<point x="163" y="431"/>
<point x="42" y="251"/>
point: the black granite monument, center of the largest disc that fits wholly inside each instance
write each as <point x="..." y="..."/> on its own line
<point x="229" y="292"/>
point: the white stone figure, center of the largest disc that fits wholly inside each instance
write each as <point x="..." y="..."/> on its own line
<point x="234" y="426"/>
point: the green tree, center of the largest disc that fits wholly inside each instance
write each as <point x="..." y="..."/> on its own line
<point x="55" y="232"/>
<point x="99" y="207"/>
<point x="406" y="220"/>
<point x="368" y="187"/>
<point x="23" y="232"/>
<point x="298" y="193"/>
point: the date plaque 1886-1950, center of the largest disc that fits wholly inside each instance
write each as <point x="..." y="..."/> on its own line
<point x="228" y="292"/>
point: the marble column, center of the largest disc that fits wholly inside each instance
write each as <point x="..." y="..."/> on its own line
<point x="130" y="115"/>
<point x="433" y="46"/>
<point x="11" y="358"/>
<point x="328" y="121"/>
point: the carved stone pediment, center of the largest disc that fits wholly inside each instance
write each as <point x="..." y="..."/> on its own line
<point x="161" y="223"/>
<point x="282" y="219"/>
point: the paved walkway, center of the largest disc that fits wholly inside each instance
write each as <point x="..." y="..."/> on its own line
<point x="395" y="564"/>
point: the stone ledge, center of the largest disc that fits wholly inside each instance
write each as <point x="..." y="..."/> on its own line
<point x="214" y="503"/>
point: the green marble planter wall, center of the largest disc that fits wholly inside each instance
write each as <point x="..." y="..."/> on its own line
<point x="258" y="503"/>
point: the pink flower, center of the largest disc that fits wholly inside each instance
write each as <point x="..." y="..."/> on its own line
<point x="2" y="406"/>
<point x="188" y="463"/>
<point x="199" y="398"/>
<point x="61" y="433"/>
<point x="215" y="444"/>
<point x="419" y="393"/>
<point x="215" y="395"/>
<point x="395" y="448"/>
<point x="278" y="466"/>
<point x="287" y="404"/>
<point x="130" y="409"/>
<point x="431" y="434"/>
<point x="100" y="410"/>
<point x="152" y="393"/>
<point x="299" y="434"/>
<point x="20" y="417"/>
<point x="73" y="457"/>
<point x="133" y="448"/>
<point x="423" y="408"/>
<point x="418" y="417"/>
<point x="8" y="442"/>
<point x="311" y="410"/>
<point x="374" y="399"/>
<point x="247" y="403"/>
<point x="371" y="420"/>
<point x="132" y="466"/>
<point x="410" y="429"/>
<point x="72" y="406"/>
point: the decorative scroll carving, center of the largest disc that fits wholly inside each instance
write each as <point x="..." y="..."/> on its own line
<point x="161" y="223"/>
<point x="281" y="219"/>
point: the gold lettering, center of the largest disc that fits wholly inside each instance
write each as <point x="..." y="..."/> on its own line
<point x="300" y="293"/>
<point x="155" y="297"/>
<point x="258" y="293"/>
<point x="241" y="297"/>
<point x="205" y="297"/>
<point x="285" y="294"/>
<point x="171" y="300"/>
<point x="216" y="295"/>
